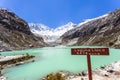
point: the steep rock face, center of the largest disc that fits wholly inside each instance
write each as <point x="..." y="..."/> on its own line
<point x="101" y="31"/>
<point x="15" y="32"/>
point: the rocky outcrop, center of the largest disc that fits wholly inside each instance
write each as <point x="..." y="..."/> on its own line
<point x="61" y="75"/>
<point x="101" y="31"/>
<point x="8" y="61"/>
<point x="15" y="33"/>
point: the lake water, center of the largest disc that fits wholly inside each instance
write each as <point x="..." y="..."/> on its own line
<point x="53" y="59"/>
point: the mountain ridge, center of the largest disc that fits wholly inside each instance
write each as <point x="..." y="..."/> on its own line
<point x="15" y="33"/>
<point x="103" y="31"/>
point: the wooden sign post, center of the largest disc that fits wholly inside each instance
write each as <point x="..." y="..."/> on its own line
<point x="88" y="52"/>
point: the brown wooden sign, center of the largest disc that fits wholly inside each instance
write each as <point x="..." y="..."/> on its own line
<point x="91" y="51"/>
<point x="88" y="52"/>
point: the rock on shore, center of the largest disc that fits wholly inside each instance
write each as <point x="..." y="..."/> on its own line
<point x="3" y="78"/>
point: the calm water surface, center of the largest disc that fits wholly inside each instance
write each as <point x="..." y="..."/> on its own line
<point x="52" y="59"/>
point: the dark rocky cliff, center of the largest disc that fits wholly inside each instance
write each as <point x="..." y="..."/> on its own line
<point x="15" y="33"/>
<point x="102" y="31"/>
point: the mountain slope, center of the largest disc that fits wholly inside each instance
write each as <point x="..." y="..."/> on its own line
<point x="49" y="34"/>
<point x="15" y="32"/>
<point x="101" y="31"/>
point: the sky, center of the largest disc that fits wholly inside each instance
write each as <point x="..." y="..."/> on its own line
<point x="54" y="13"/>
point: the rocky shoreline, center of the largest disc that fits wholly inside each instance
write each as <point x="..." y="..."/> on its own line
<point x="109" y="72"/>
<point x="8" y="61"/>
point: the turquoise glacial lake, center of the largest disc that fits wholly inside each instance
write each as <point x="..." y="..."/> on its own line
<point x="53" y="59"/>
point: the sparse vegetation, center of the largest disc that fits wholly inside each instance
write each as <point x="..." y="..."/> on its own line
<point x="55" y="76"/>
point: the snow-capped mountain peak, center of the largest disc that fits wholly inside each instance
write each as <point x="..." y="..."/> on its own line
<point x="88" y="20"/>
<point x="62" y="29"/>
<point x="50" y="34"/>
<point x="38" y="27"/>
